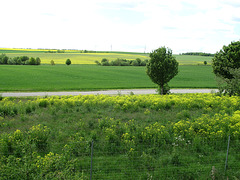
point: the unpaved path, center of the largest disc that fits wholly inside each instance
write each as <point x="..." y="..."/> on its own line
<point x="106" y="92"/>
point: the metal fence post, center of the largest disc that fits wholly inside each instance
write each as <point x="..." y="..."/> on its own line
<point x="91" y="161"/>
<point x="227" y="154"/>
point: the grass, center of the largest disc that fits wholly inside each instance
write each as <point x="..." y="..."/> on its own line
<point x="93" y="77"/>
<point x="90" y="58"/>
<point x="127" y="142"/>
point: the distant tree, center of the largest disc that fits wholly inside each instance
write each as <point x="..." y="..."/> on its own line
<point x="68" y="62"/>
<point x="38" y="61"/>
<point x="32" y="61"/>
<point x="205" y="62"/>
<point x="98" y="63"/>
<point x="162" y="67"/>
<point x="52" y="62"/>
<point x="60" y="51"/>
<point x="139" y="61"/>
<point x="134" y="63"/>
<point x="24" y="58"/>
<point x="104" y="60"/>
<point x="4" y="59"/>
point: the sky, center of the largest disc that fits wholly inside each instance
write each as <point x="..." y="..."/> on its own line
<point x="120" y="25"/>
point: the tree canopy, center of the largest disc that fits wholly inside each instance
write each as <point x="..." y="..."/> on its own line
<point x="162" y="67"/>
<point x="226" y="66"/>
<point x="227" y="57"/>
<point x="68" y="62"/>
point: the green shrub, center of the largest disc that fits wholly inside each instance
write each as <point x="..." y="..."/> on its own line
<point x="52" y="62"/>
<point x="32" y="61"/>
<point x="68" y="62"/>
<point x="38" y="135"/>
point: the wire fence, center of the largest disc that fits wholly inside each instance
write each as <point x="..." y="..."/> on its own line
<point x="98" y="160"/>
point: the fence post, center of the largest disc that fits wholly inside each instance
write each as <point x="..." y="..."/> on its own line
<point x="91" y="161"/>
<point x="227" y="154"/>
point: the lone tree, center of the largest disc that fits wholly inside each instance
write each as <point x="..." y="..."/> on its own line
<point x="68" y="62"/>
<point x="162" y="67"/>
<point x="52" y="62"/>
<point x="226" y="66"/>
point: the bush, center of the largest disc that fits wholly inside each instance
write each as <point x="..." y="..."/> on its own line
<point x="134" y="63"/>
<point x="105" y="64"/>
<point x="68" y="62"/>
<point x="52" y="62"/>
<point x="104" y="60"/>
<point x="98" y="63"/>
<point x="38" y="61"/>
<point x="4" y="59"/>
<point x="32" y="61"/>
<point x="230" y="86"/>
<point x="38" y="135"/>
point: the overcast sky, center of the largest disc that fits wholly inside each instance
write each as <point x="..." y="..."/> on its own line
<point x="120" y="25"/>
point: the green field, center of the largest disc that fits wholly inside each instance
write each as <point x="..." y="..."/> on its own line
<point x="90" y="58"/>
<point x="83" y="74"/>
<point x="93" y="77"/>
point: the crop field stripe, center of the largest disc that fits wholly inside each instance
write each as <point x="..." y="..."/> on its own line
<point x="90" y="58"/>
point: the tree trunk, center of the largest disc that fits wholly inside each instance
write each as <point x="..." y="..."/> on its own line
<point x="161" y="89"/>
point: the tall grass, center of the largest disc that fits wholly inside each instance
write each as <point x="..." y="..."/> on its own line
<point x="134" y="137"/>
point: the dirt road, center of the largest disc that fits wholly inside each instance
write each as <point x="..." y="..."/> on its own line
<point x="106" y="92"/>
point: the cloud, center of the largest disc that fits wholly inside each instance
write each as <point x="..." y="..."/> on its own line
<point x="237" y="19"/>
<point x="127" y="25"/>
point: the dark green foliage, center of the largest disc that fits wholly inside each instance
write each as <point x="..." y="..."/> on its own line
<point x="122" y="62"/>
<point x="230" y="86"/>
<point x="227" y="57"/>
<point x="38" y="61"/>
<point x="3" y="59"/>
<point x="105" y="62"/>
<point x="226" y="65"/>
<point x="32" y="61"/>
<point x="205" y="62"/>
<point x="22" y="60"/>
<point x="162" y="67"/>
<point x="68" y="62"/>
<point x="198" y="54"/>
<point x="97" y="62"/>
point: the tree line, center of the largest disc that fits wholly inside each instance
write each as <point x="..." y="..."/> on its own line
<point x="122" y="62"/>
<point x="198" y="54"/>
<point x="57" y="51"/>
<point x="19" y="60"/>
